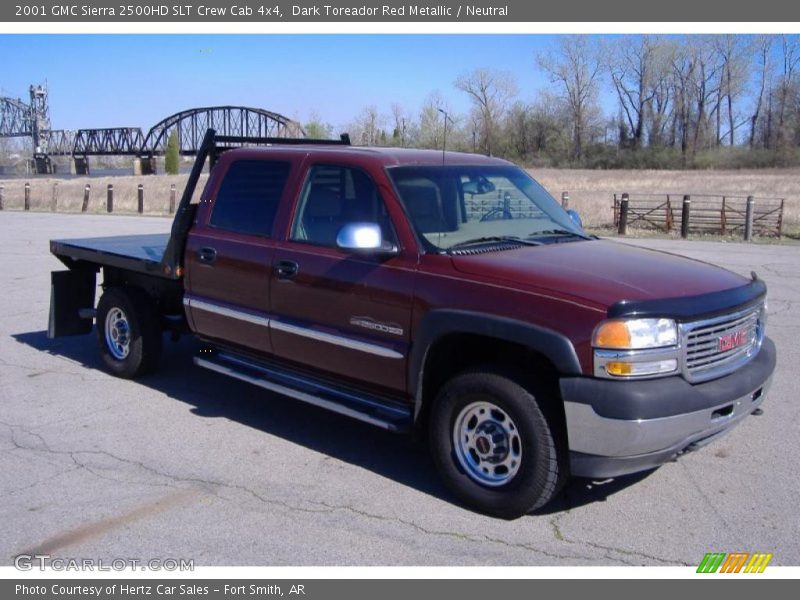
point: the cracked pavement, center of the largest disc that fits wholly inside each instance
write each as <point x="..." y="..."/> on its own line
<point x="188" y="464"/>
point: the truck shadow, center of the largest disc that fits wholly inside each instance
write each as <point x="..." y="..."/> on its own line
<point x="210" y="395"/>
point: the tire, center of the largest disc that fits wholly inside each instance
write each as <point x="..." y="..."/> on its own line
<point x="513" y="462"/>
<point x="128" y="332"/>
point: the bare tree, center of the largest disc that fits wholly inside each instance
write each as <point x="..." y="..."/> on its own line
<point x="490" y="92"/>
<point x="401" y="122"/>
<point x="763" y="47"/>
<point x="575" y="66"/>
<point x="431" y="121"/>
<point x="366" y="129"/>
<point x="662" y="93"/>
<point x="790" y="55"/>
<point x="734" y="53"/>
<point x="631" y="64"/>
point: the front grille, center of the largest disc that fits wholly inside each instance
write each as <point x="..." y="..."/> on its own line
<point x="716" y="347"/>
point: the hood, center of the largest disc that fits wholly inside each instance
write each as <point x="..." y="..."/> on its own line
<point x="600" y="271"/>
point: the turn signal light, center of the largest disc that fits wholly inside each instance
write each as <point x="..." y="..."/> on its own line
<point x="613" y="334"/>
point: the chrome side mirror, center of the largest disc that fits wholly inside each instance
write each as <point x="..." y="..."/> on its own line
<point x="576" y="218"/>
<point x="363" y="238"/>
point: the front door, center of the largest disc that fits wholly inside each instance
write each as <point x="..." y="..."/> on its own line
<point x="335" y="311"/>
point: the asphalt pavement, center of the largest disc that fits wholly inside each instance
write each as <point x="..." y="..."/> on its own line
<point x="187" y="464"/>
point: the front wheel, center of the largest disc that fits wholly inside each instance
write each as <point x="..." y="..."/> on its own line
<point x="493" y="445"/>
<point x="128" y="332"/>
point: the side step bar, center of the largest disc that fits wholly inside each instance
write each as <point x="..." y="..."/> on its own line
<point x="377" y="411"/>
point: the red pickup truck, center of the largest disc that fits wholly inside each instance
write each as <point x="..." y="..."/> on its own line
<point x="442" y="294"/>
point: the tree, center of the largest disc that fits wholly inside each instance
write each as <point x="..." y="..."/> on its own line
<point x="172" y="158"/>
<point x="401" y="123"/>
<point x="490" y="92"/>
<point x="431" y="121"/>
<point x="575" y="66"/>
<point x="763" y="47"/>
<point x="366" y="128"/>
<point x="734" y="51"/>
<point x="317" y="129"/>
<point x="631" y="64"/>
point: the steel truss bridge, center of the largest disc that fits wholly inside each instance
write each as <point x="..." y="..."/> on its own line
<point x="18" y="119"/>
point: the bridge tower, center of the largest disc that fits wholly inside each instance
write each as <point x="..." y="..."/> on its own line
<point x="40" y="128"/>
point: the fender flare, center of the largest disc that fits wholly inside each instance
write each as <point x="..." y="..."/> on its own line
<point x="438" y="323"/>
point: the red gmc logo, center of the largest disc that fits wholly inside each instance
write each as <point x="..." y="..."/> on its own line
<point x="732" y="340"/>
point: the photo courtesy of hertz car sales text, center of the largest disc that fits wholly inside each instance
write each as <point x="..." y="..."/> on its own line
<point x="444" y="295"/>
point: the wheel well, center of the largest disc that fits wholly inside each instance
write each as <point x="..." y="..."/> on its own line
<point x="455" y="353"/>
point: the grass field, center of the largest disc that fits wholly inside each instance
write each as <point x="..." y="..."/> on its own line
<point x="591" y="191"/>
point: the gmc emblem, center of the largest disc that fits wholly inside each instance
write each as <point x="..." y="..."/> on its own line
<point x="732" y="340"/>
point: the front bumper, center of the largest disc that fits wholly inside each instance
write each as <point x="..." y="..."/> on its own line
<point x="620" y="427"/>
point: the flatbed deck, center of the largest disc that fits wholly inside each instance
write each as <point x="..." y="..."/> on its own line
<point x="142" y="253"/>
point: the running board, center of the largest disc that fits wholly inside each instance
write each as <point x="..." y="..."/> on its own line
<point x="369" y="409"/>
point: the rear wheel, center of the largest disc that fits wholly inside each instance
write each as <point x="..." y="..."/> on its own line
<point x="128" y="332"/>
<point x="494" y="446"/>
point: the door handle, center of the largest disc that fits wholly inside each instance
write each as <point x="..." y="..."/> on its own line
<point x="286" y="269"/>
<point x="207" y="255"/>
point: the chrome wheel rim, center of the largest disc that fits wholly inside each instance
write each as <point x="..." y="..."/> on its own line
<point x="118" y="333"/>
<point x="487" y="444"/>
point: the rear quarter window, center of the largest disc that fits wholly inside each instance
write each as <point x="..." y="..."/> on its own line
<point x="249" y="196"/>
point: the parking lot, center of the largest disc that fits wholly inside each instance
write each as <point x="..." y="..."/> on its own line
<point x="187" y="464"/>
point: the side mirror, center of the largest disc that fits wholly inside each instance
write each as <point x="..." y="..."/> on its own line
<point x="576" y="218"/>
<point x="364" y="238"/>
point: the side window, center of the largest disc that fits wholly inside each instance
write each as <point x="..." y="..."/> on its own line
<point x="249" y="195"/>
<point x="334" y="196"/>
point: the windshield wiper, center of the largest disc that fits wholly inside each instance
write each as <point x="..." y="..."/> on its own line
<point x="509" y="239"/>
<point x="547" y="232"/>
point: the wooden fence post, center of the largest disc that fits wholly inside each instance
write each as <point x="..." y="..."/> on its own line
<point x="27" y="196"/>
<point x="623" y="215"/>
<point x="140" y="194"/>
<point x="2" y="189"/>
<point x="685" y="212"/>
<point x="565" y="200"/>
<point x="54" y="200"/>
<point x="110" y="198"/>
<point x="172" y="198"/>
<point x="86" y="192"/>
<point x="748" y="219"/>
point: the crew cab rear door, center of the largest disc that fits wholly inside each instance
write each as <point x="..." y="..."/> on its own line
<point x="230" y="249"/>
<point x="333" y="311"/>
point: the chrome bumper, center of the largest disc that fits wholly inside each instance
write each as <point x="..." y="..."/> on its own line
<point x="589" y="433"/>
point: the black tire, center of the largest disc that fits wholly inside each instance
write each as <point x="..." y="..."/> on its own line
<point x="541" y="469"/>
<point x="143" y="333"/>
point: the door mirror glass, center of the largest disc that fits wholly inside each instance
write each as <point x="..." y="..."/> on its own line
<point x="576" y="218"/>
<point x="364" y="238"/>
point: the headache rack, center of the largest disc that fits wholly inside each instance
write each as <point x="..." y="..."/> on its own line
<point x="210" y="150"/>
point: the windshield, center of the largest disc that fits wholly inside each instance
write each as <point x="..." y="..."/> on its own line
<point x="455" y="206"/>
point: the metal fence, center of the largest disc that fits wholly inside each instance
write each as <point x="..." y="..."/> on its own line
<point x="701" y="213"/>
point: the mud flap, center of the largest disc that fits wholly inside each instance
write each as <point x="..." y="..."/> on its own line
<point x="72" y="296"/>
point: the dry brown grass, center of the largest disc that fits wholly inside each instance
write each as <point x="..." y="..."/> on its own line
<point x="591" y="191"/>
<point x="70" y="193"/>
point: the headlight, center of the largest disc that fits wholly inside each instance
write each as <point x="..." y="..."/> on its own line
<point x="633" y="334"/>
<point x="635" y="348"/>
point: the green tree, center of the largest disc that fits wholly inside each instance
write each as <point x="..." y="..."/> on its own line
<point x="172" y="159"/>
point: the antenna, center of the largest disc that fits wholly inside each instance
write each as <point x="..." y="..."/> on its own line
<point x="444" y="141"/>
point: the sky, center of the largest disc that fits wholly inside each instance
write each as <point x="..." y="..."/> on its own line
<point x="99" y="81"/>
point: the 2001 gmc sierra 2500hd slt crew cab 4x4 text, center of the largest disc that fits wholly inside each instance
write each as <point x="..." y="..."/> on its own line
<point x="439" y="293"/>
